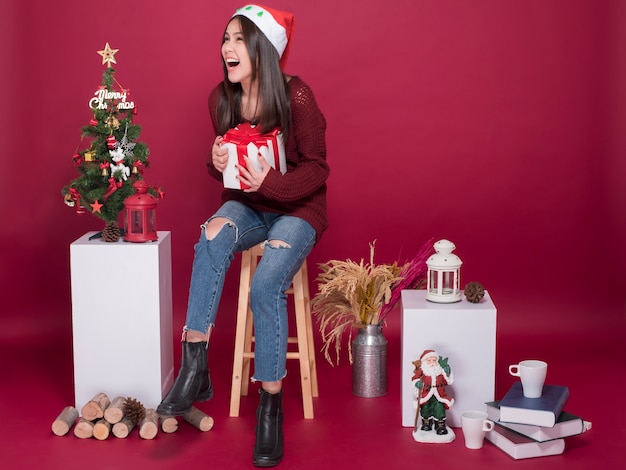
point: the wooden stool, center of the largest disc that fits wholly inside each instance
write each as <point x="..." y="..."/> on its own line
<point x="243" y="336"/>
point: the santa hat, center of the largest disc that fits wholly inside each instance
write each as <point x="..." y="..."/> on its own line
<point x="277" y="26"/>
<point x="429" y="353"/>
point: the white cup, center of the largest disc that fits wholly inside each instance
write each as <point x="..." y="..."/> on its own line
<point x="475" y="424"/>
<point x="533" y="375"/>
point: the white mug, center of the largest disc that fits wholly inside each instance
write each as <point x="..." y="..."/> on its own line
<point x="475" y="424"/>
<point x="533" y="375"/>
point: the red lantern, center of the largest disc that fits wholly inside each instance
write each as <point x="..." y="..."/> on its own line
<point x="140" y="215"/>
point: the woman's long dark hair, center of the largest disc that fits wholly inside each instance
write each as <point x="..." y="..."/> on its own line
<point x="273" y="90"/>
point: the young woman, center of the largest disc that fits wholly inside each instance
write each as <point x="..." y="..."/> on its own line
<point x="287" y="211"/>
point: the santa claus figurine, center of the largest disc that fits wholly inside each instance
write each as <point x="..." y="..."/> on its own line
<point x="431" y="376"/>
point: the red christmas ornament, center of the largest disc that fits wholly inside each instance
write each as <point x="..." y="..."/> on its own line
<point x="93" y="122"/>
<point x="111" y="141"/>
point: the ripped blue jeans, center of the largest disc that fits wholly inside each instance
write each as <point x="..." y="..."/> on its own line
<point x="273" y="276"/>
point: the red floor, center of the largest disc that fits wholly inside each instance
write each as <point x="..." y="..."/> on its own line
<point x="583" y="343"/>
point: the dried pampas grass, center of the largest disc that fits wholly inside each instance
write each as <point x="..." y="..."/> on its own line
<point x="353" y="295"/>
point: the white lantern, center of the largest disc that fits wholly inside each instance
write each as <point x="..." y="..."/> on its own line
<point x="444" y="274"/>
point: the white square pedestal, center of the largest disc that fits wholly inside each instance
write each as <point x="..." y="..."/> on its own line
<point x="122" y="319"/>
<point x="462" y="331"/>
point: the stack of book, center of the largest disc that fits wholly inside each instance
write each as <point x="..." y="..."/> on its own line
<point x="533" y="427"/>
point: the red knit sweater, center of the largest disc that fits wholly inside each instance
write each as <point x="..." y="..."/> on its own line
<point x="301" y="191"/>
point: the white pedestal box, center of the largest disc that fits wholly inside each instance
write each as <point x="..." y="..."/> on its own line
<point x="122" y="319"/>
<point x="465" y="333"/>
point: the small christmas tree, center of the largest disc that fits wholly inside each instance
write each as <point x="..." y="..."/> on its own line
<point x="114" y="159"/>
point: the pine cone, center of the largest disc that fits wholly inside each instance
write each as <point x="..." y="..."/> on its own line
<point x="111" y="232"/>
<point x="474" y="292"/>
<point x="133" y="410"/>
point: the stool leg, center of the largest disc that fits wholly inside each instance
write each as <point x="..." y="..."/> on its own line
<point x="303" y="345"/>
<point x="309" y="331"/>
<point x="240" y="333"/>
<point x="248" y="353"/>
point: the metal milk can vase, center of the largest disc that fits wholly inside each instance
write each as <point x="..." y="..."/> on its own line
<point x="369" y="366"/>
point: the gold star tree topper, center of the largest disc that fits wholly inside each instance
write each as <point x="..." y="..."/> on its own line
<point x="107" y="55"/>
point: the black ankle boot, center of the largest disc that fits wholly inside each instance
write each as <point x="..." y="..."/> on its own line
<point x="268" y="449"/>
<point x="193" y="382"/>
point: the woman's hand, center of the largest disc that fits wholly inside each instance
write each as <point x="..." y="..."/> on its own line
<point x="219" y="155"/>
<point x="250" y="176"/>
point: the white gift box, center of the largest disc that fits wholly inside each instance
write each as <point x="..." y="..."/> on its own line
<point x="244" y="140"/>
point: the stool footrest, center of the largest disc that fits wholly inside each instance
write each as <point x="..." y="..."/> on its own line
<point x="290" y="340"/>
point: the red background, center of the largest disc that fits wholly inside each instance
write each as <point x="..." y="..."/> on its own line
<point x="498" y="125"/>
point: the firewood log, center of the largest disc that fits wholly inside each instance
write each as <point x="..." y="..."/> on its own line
<point x="169" y="424"/>
<point x="84" y="429"/>
<point x="94" y="408"/>
<point x="149" y="425"/>
<point x="114" y="413"/>
<point x="65" y="421"/>
<point x="123" y="427"/>
<point x="101" y="429"/>
<point x="198" y="419"/>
